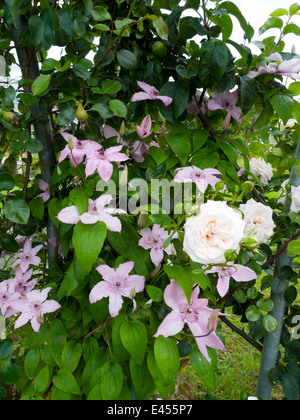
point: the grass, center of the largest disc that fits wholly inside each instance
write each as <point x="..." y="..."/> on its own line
<point x="237" y="371"/>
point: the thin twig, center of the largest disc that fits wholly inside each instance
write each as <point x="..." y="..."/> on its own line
<point x="242" y="333"/>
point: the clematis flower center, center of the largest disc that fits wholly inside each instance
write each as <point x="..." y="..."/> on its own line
<point x="36" y="306"/>
<point x="79" y="145"/>
<point x="102" y="154"/>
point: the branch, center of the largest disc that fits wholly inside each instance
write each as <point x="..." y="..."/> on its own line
<point x="241" y="333"/>
<point x="280" y="251"/>
<point x="27" y="175"/>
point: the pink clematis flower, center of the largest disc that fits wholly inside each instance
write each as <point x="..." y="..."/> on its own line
<point x="28" y="256"/>
<point x="22" y="283"/>
<point x="154" y="239"/>
<point x="44" y="186"/>
<point x="288" y="68"/>
<point x="237" y="271"/>
<point x="201" y="177"/>
<point x="227" y="102"/>
<point x="116" y="285"/>
<point x="101" y="161"/>
<point x="195" y="314"/>
<point x="97" y="212"/>
<point x="34" y="307"/>
<point x="151" y="93"/>
<point x="7" y="295"/>
<point x="144" y="130"/>
<point x="76" y="149"/>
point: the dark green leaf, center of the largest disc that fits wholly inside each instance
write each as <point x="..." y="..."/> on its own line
<point x="65" y="381"/>
<point x="17" y="211"/>
<point x="134" y="338"/>
<point x="127" y="59"/>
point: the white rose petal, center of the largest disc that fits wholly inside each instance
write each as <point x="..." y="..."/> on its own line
<point x="262" y="170"/>
<point x="295" y="207"/>
<point x="217" y="229"/>
<point x="258" y="219"/>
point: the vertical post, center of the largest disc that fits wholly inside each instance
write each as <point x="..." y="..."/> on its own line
<point x="30" y="69"/>
<point x="272" y="340"/>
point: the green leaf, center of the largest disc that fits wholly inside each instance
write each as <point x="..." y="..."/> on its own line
<point x="112" y="380"/>
<point x="270" y="323"/>
<point x="88" y="241"/>
<point x="134" y="338"/>
<point x="99" y="13"/>
<point x="248" y="93"/>
<point x="292" y="28"/>
<point x="118" y="108"/>
<point x="42" y="381"/>
<point x="71" y="355"/>
<point x="7" y="181"/>
<point x="40" y="84"/>
<point x="65" y="381"/>
<point x="294" y="8"/>
<point x="37" y="207"/>
<point x="142" y="379"/>
<point x="162" y="28"/>
<point x="214" y="61"/>
<point x="204" y="369"/>
<point x="234" y="10"/>
<point x="33" y="146"/>
<point x="80" y="198"/>
<point x="41" y="31"/>
<point x="5" y="349"/>
<point x="163" y="389"/>
<point x="272" y="22"/>
<point x="290" y="386"/>
<point x="265" y="304"/>
<point x="167" y="358"/>
<point x="280" y="12"/>
<point x="118" y="347"/>
<point x="252" y="313"/>
<point x="127" y="59"/>
<point x="17" y="211"/>
<point x="10" y="374"/>
<point x="180" y="93"/>
<point x="111" y="87"/>
<point x="180" y="143"/>
<point x="155" y="293"/>
<point x="31" y="362"/>
<point x="283" y="105"/>
<point x="177" y="273"/>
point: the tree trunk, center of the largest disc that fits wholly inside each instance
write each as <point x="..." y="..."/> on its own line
<point x="30" y="70"/>
<point x="272" y="340"/>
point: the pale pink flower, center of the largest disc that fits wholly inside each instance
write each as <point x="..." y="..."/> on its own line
<point x="144" y="130"/>
<point x="195" y="314"/>
<point x="44" y="186"/>
<point x="101" y="161"/>
<point x="22" y="283"/>
<point x="7" y="294"/>
<point x="28" y="256"/>
<point x="151" y="93"/>
<point x="76" y="149"/>
<point x="116" y="284"/>
<point x="154" y="239"/>
<point x="97" y="212"/>
<point x="288" y="68"/>
<point x="238" y="272"/>
<point x="226" y="101"/>
<point x="201" y="177"/>
<point x="34" y="307"/>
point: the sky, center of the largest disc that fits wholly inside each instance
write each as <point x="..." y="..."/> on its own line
<point x="256" y="12"/>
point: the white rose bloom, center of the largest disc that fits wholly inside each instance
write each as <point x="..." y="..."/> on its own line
<point x="217" y="229"/>
<point x="262" y="170"/>
<point x="295" y="207"/>
<point x="258" y="219"/>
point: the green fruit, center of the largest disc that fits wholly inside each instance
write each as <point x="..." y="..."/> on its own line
<point x="81" y="113"/>
<point x="159" y="50"/>
<point x="9" y="117"/>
